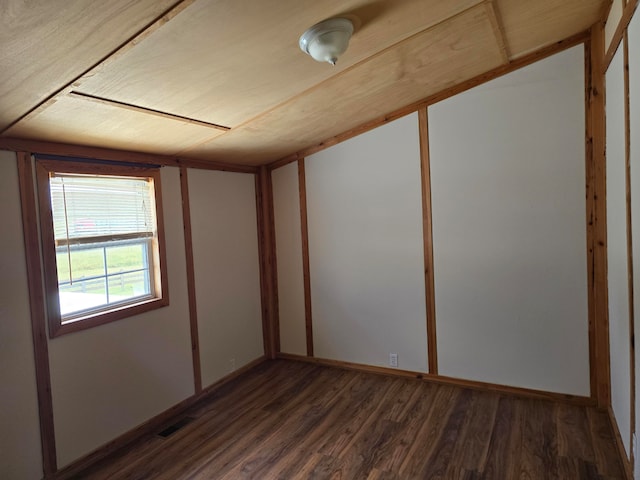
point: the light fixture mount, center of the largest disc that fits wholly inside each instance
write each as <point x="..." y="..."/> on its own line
<point x="327" y="40"/>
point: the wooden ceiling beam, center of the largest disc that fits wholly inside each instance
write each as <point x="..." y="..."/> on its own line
<point x="97" y="153"/>
<point x="498" y="29"/>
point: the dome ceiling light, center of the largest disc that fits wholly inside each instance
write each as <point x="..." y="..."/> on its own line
<point x="327" y="40"/>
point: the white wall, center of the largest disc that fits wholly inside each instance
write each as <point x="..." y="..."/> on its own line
<point x="617" y="248"/>
<point x="634" y="104"/>
<point x="509" y="229"/>
<point x="286" y="205"/>
<point x="227" y="274"/>
<point x="366" y="249"/>
<point x="20" y="452"/>
<point x="109" y="379"/>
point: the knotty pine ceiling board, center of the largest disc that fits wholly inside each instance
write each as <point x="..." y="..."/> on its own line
<point x="428" y="62"/>
<point x="45" y="44"/>
<point x="530" y="25"/>
<point x="226" y="62"/>
<point x="75" y="120"/>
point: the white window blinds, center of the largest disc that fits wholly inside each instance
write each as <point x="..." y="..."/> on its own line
<point x="90" y="208"/>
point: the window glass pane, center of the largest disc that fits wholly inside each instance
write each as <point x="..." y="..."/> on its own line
<point x="126" y="257"/>
<point x="85" y="262"/>
<point x="126" y="286"/>
<point x="88" y="288"/>
<point x="82" y="295"/>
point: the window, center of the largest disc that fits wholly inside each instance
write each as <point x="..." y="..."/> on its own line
<point x="102" y="241"/>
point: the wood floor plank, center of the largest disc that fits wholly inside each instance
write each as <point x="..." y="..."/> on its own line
<point x="472" y="451"/>
<point x="437" y="463"/>
<point x="539" y="447"/>
<point x="574" y="437"/>
<point x="219" y="429"/>
<point x="286" y="436"/>
<point x="333" y="403"/>
<point x="236" y="451"/>
<point x="424" y="443"/>
<point x="367" y="443"/>
<point x="289" y="420"/>
<point x="501" y="450"/>
<point x="400" y="446"/>
<point x="607" y="460"/>
<point x="364" y="403"/>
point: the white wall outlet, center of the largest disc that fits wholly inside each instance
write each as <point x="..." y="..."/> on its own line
<point x="232" y="364"/>
<point x="393" y="359"/>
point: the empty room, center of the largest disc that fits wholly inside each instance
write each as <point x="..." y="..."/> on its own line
<point x="285" y="239"/>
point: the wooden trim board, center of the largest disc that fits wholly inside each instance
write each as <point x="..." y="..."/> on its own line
<point x="271" y="232"/>
<point x="37" y="309"/>
<point x="598" y="290"/>
<point x="427" y="235"/>
<point x="268" y="272"/>
<point x="191" y="280"/>
<point x="627" y="15"/>
<point x="589" y="174"/>
<point x="306" y="275"/>
<point x="627" y="149"/>
<point x="264" y="287"/>
<point x="156" y="423"/>
<point x="490" y="387"/>
<point x="98" y="153"/>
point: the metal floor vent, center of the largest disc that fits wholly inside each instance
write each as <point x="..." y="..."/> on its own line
<point x="171" y="429"/>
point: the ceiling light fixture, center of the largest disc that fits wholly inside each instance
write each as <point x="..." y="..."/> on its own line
<point x="327" y="40"/>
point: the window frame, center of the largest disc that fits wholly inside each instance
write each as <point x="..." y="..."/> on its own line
<point x="159" y="275"/>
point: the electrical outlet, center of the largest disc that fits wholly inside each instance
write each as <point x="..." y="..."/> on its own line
<point x="232" y="364"/>
<point x="393" y="359"/>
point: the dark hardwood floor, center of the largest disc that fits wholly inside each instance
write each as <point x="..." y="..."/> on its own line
<point x="290" y="420"/>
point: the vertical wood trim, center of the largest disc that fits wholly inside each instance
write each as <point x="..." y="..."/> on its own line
<point x="266" y="344"/>
<point x="271" y="230"/>
<point x="191" y="280"/>
<point x="598" y="283"/>
<point x="302" y="188"/>
<point x="37" y="309"/>
<point x="161" y="274"/>
<point x="627" y="150"/>
<point x="590" y="206"/>
<point x="266" y="251"/>
<point x="48" y="268"/>
<point x="427" y="235"/>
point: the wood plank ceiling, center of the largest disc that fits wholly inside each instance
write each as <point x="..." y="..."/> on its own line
<point x="224" y="80"/>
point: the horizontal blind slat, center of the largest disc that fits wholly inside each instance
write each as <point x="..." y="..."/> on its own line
<point x="100" y="207"/>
